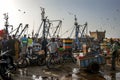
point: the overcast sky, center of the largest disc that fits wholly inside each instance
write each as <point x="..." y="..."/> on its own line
<point x="99" y="14"/>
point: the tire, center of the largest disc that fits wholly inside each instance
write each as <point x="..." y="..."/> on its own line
<point x="1" y="78"/>
<point x="22" y="63"/>
<point x="70" y="58"/>
<point x="93" y="67"/>
<point x="50" y="63"/>
<point x="13" y="68"/>
<point x="5" y="77"/>
<point x="3" y="74"/>
<point x="3" y="68"/>
<point x="74" y="60"/>
<point x="41" y="61"/>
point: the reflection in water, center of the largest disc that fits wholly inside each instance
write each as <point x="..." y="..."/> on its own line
<point x="37" y="77"/>
<point x="118" y="76"/>
<point x="23" y="72"/>
<point x="76" y="74"/>
<point x="107" y="77"/>
<point x="112" y="76"/>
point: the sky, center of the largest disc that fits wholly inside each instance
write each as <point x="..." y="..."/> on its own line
<point x="101" y="15"/>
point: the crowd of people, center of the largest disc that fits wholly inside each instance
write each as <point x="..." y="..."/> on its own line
<point x="12" y="44"/>
<point x="53" y="45"/>
<point x="20" y="46"/>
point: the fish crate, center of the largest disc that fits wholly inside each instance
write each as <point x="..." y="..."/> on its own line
<point x="67" y="44"/>
<point x="85" y="62"/>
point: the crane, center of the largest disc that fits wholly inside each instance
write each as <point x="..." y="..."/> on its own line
<point x="57" y="27"/>
<point x="17" y="29"/>
<point x="26" y="26"/>
<point x="7" y="24"/>
<point x="43" y="23"/>
<point x="20" y="25"/>
<point x="46" y="26"/>
<point x="79" y="32"/>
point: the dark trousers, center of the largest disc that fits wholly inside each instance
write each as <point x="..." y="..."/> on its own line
<point x="114" y="60"/>
<point x="113" y="63"/>
<point x="45" y="49"/>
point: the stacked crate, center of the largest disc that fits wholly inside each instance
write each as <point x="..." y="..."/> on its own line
<point x="67" y="44"/>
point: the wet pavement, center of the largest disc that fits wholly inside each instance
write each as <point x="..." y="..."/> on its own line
<point x="67" y="71"/>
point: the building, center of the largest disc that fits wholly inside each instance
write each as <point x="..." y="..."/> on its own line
<point x="98" y="35"/>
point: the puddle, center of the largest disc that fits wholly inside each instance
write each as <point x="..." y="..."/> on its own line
<point x="107" y="77"/>
<point x="23" y="72"/>
<point x="111" y="76"/>
<point x="36" y="77"/>
<point x="118" y="76"/>
<point x="72" y="74"/>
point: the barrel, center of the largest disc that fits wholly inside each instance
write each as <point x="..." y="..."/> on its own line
<point x="67" y="44"/>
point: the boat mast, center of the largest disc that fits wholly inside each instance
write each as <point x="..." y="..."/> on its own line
<point x="6" y="23"/>
<point x="76" y="33"/>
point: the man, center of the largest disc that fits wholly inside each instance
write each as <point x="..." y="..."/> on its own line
<point x="115" y="54"/>
<point x="17" y="47"/>
<point x="4" y="43"/>
<point x="30" y="42"/>
<point x="11" y="46"/>
<point x="52" y="46"/>
<point x="0" y="45"/>
<point x="24" y="41"/>
<point x="44" y="44"/>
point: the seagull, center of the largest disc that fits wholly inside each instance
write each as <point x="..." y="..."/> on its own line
<point x="19" y="10"/>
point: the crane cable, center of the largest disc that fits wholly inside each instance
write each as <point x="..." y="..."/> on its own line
<point x="66" y="31"/>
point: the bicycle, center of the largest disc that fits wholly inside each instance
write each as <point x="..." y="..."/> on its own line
<point x="53" y="59"/>
<point x="56" y="58"/>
